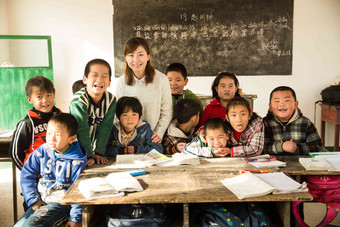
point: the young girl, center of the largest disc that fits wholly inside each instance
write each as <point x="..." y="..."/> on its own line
<point x="245" y="129"/>
<point x="130" y="134"/>
<point x="149" y="85"/>
<point x="224" y="88"/>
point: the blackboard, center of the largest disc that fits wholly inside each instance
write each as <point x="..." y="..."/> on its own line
<point x="248" y="37"/>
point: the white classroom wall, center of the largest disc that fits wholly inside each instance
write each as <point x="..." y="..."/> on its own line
<point x="82" y="30"/>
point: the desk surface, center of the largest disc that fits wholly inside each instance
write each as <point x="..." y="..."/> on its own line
<point x="184" y="184"/>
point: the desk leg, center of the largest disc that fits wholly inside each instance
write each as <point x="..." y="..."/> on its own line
<point x="336" y="137"/>
<point x="185" y="215"/>
<point x="283" y="209"/>
<point x="14" y="184"/>
<point x="86" y="215"/>
<point x="323" y="127"/>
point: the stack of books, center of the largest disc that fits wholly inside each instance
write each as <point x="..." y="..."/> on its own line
<point x="264" y="161"/>
<point x="322" y="161"/>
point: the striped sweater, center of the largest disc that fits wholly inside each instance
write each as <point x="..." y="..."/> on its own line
<point x="95" y="121"/>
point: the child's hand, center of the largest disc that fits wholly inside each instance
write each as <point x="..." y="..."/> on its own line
<point x="38" y="204"/>
<point x="180" y="146"/>
<point x="155" y="138"/>
<point x="129" y="150"/>
<point x="221" y="152"/>
<point x="72" y="224"/>
<point x="99" y="159"/>
<point x="289" y="146"/>
<point x="90" y="162"/>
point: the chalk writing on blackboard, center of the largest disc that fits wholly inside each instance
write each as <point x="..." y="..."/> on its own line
<point x="251" y="37"/>
<point x="195" y="30"/>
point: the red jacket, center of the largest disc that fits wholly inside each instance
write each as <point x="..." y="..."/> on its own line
<point x="213" y="109"/>
<point x="29" y="135"/>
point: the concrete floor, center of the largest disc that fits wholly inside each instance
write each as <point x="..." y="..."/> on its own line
<point x="314" y="212"/>
<point x="6" y="198"/>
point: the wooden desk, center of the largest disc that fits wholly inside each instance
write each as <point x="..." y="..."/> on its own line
<point x="330" y="114"/>
<point x="184" y="185"/>
<point x="4" y="157"/>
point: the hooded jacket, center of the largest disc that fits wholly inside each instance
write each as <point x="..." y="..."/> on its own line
<point x="175" y="135"/>
<point x="141" y="140"/>
<point x="29" y="135"/>
<point x="57" y="175"/>
<point x="299" y="129"/>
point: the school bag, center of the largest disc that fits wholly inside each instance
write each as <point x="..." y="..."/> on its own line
<point x="331" y="95"/>
<point x="233" y="214"/>
<point x="139" y="215"/>
<point x="324" y="189"/>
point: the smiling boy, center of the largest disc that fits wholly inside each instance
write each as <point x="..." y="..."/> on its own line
<point x="213" y="143"/>
<point x="287" y="131"/>
<point x="31" y="131"/>
<point x="177" y="76"/>
<point x="94" y="108"/>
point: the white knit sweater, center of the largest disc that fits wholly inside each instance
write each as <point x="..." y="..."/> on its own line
<point x="155" y="98"/>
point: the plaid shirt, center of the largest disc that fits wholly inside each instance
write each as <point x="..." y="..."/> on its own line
<point x="299" y="129"/>
<point x="251" y="141"/>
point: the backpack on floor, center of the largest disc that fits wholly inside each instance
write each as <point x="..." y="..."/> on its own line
<point x="139" y="215"/>
<point x="324" y="189"/>
<point x="234" y="214"/>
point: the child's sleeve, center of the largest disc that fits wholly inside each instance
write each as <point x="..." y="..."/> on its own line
<point x="76" y="210"/>
<point x="254" y="144"/>
<point x="104" y="129"/>
<point x="29" y="175"/>
<point x="148" y="145"/>
<point x="166" y="109"/>
<point x="313" y="141"/>
<point x="113" y="147"/>
<point x="195" y="148"/>
<point x="169" y="146"/>
<point x="270" y="145"/>
<point x="79" y="111"/>
<point x="22" y="139"/>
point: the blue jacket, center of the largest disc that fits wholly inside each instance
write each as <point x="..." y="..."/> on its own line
<point x="57" y="175"/>
<point x="141" y="140"/>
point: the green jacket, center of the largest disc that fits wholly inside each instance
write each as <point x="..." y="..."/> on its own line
<point x="187" y="95"/>
<point x="95" y="121"/>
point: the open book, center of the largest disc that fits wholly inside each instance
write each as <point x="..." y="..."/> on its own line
<point x="313" y="154"/>
<point x="264" y="161"/>
<point x="183" y="159"/>
<point x="113" y="185"/>
<point x="249" y="185"/>
<point x="321" y="162"/>
<point x="153" y="157"/>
